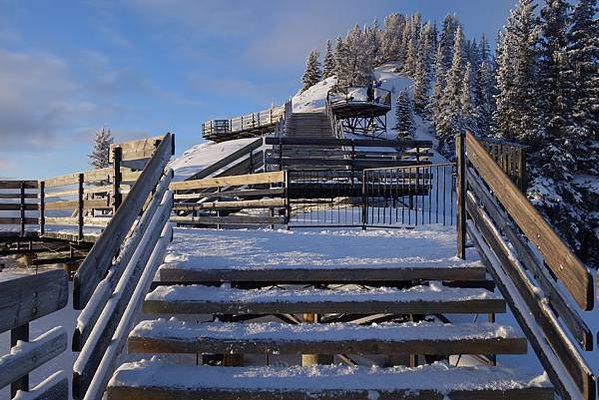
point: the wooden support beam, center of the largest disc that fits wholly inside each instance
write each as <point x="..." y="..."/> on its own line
<point x="239" y="180"/>
<point x="461" y="195"/>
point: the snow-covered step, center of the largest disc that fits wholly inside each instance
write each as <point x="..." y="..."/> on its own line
<point x="441" y="271"/>
<point x="149" y="379"/>
<point x="432" y="299"/>
<point x="177" y="336"/>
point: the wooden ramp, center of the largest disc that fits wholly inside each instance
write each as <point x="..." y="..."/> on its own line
<point x="348" y="331"/>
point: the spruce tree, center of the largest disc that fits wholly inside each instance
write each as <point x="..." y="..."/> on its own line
<point x="313" y="73"/>
<point x="436" y="105"/>
<point x="483" y="99"/>
<point x="423" y="69"/>
<point x="517" y="116"/>
<point x="100" y="155"/>
<point x="391" y="37"/>
<point x="468" y="111"/>
<point x="450" y="122"/>
<point x="404" y="116"/>
<point x="328" y="68"/>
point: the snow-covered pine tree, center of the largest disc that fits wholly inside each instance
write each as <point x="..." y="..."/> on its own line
<point x="328" y="67"/>
<point x="450" y="122"/>
<point x="423" y="69"/>
<point x="391" y="37"/>
<point x="404" y="116"/>
<point x="517" y="115"/>
<point x="411" y="38"/>
<point x="100" y="155"/>
<point x="583" y="52"/>
<point x="342" y="63"/>
<point x="313" y="74"/>
<point x="373" y="34"/>
<point x="436" y="105"/>
<point x="468" y="111"/>
<point x="360" y="68"/>
<point x="450" y="26"/>
<point x="483" y="99"/>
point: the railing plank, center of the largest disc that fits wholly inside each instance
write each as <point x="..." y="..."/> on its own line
<point x="28" y="298"/>
<point x="17" y="221"/>
<point x="55" y="387"/>
<point x="570" y="317"/>
<point x="94" y="175"/>
<point x="572" y="361"/>
<point x="15" y="184"/>
<point x="27" y="356"/>
<point x="238" y="180"/>
<point x="563" y="262"/>
<point x="229" y="220"/>
<point x="94" y="267"/>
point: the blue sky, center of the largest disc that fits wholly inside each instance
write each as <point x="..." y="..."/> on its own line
<point x="145" y="67"/>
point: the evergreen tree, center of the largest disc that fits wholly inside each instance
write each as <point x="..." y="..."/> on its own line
<point x="313" y="73"/>
<point x="356" y="62"/>
<point x="436" y="105"/>
<point x="342" y="63"/>
<point x="373" y="34"/>
<point x="423" y="69"/>
<point x="404" y="116"/>
<point x="517" y="115"/>
<point x="391" y="35"/>
<point x="483" y="99"/>
<point x="100" y="155"/>
<point x="450" y="122"/>
<point x="411" y="36"/>
<point x="468" y="110"/>
<point x="328" y="68"/>
<point x="450" y="27"/>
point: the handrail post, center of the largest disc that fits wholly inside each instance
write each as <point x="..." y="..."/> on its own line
<point x="522" y="170"/>
<point x="42" y="208"/>
<point x="80" y="207"/>
<point x="364" y="201"/>
<point x="16" y="334"/>
<point x="117" y="197"/>
<point x="461" y="195"/>
<point x="22" y="208"/>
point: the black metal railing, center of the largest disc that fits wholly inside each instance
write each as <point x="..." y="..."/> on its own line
<point x="404" y="196"/>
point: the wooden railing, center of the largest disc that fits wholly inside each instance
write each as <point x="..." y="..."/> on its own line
<point x="354" y="154"/>
<point x="510" y="157"/>
<point x="227" y="129"/>
<point x="23" y="300"/>
<point x="21" y="196"/>
<point x="117" y="272"/>
<point x="213" y="201"/>
<point x="530" y="265"/>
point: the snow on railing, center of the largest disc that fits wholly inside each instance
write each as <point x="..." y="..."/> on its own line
<point x="544" y="283"/>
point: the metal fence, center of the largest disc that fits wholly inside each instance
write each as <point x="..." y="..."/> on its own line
<point x="404" y="196"/>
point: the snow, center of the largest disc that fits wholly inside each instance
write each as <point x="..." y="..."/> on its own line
<point x="425" y="246"/>
<point x="438" y="376"/>
<point x="435" y="292"/>
<point x="200" y="156"/>
<point x="276" y="331"/>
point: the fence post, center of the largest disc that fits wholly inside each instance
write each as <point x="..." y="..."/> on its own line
<point x="42" y="220"/>
<point x="117" y="198"/>
<point x="287" y="202"/>
<point x="461" y="195"/>
<point x="22" y="208"/>
<point x="522" y="170"/>
<point x="80" y="207"/>
<point x="16" y="334"/>
<point x="364" y="202"/>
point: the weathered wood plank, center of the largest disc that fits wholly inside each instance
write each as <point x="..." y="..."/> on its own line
<point x="15" y="184"/>
<point x="171" y="336"/>
<point x="402" y="144"/>
<point x="74" y="221"/>
<point x="171" y="273"/>
<point x="31" y="297"/>
<point x="574" y="275"/>
<point x="16" y="221"/>
<point x="137" y="149"/>
<point x="230" y="205"/>
<point x="27" y="356"/>
<point x="229" y="220"/>
<point x="571" y="359"/>
<point x="18" y="196"/>
<point x="99" y="259"/>
<point x="94" y="175"/>
<point x="72" y="204"/>
<point x="227" y="383"/>
<point x="238" y="180"/>
<point x="232" y="194"/>
<point x="565" y="310"/>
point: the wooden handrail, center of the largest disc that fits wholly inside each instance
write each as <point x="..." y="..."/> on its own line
<point x="563" y="262"/>
<point x="98" y="261"/>
<point x="238" y="180"/>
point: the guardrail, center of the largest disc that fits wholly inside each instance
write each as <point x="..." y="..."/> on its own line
<point x="545" y="284"/>
<point x="255" y="123"/>
<point x="23" y="300"/>
<point x="117" y="272"/>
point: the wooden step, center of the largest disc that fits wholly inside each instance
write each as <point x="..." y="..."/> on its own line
<point x="189" y="273"/>
<point x="176" y="336"/>
<point x="433" y="299"/>
<point x="151" y="380"/>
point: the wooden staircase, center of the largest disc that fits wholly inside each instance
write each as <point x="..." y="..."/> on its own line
<point x="367" y="332"/>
